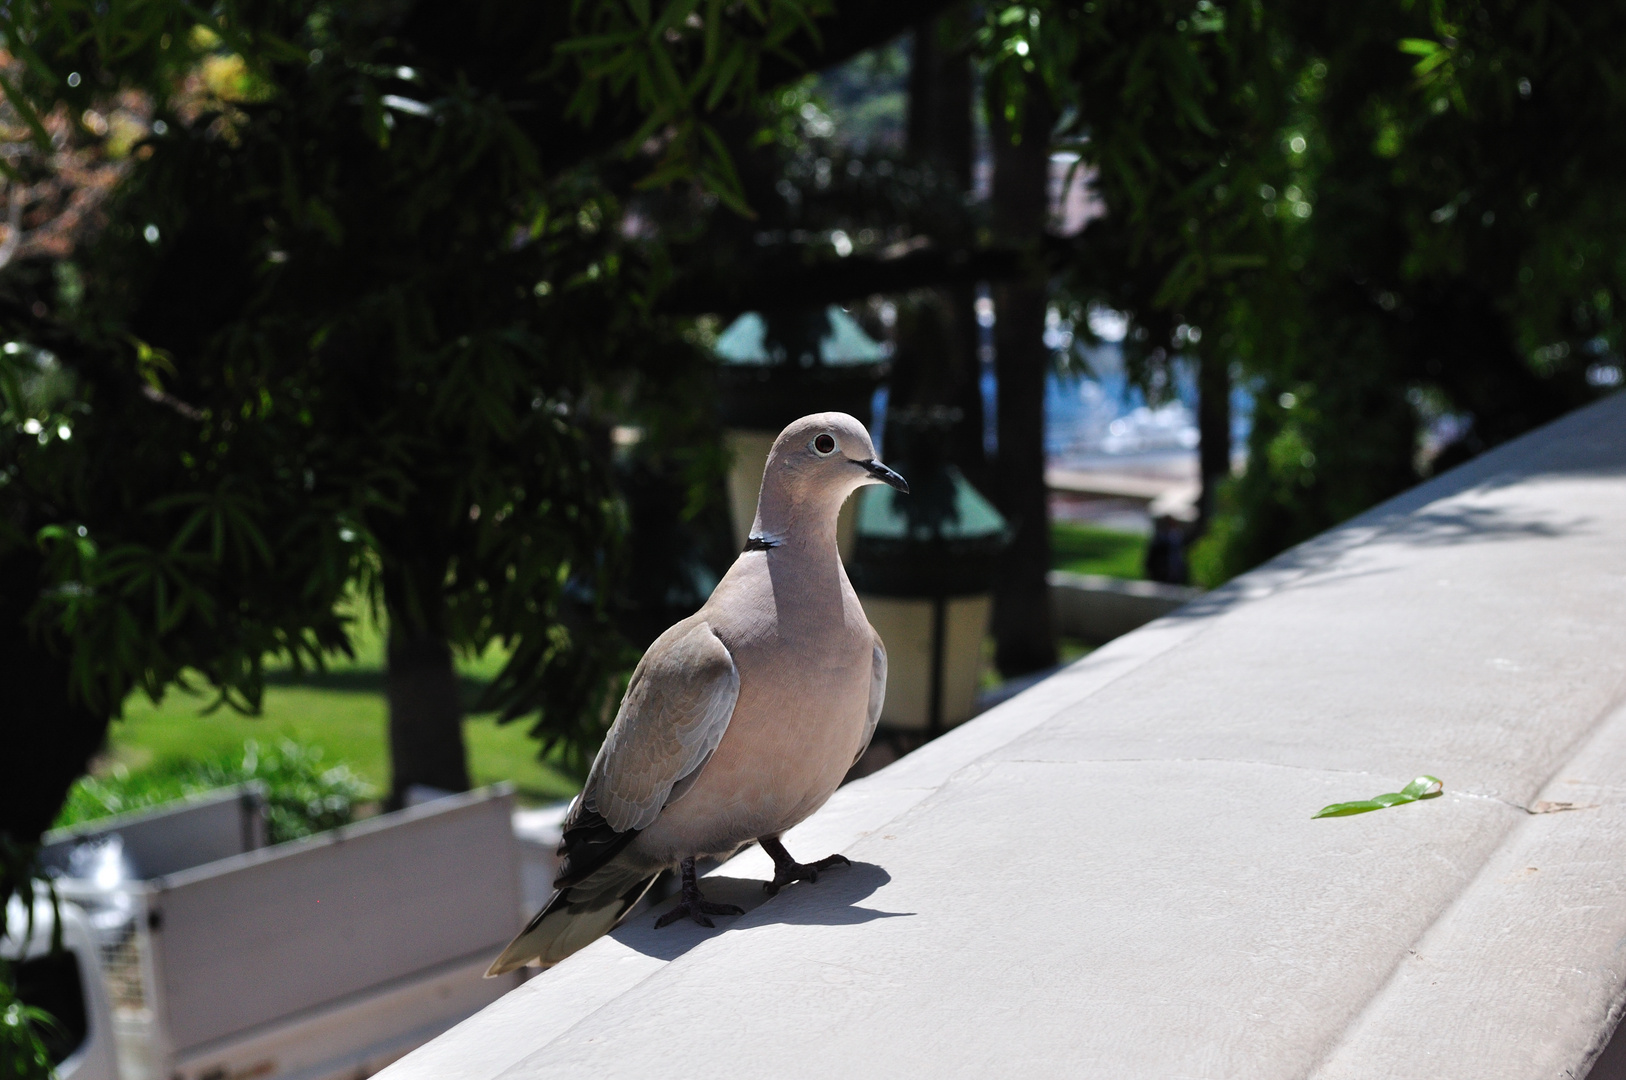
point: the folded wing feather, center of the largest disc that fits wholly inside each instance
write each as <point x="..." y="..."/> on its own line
<point x="675" y="712"/>
<point x="877" y="694"/>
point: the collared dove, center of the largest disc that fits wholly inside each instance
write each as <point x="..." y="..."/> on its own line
<point x="739" y="721"/>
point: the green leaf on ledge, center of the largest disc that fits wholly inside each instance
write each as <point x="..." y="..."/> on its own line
<point x="1424" y="787"/>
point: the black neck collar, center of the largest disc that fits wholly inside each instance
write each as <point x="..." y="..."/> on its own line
<point x="760" y="543"/>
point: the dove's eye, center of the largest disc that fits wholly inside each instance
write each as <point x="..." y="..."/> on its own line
<point x="824" y="445"/>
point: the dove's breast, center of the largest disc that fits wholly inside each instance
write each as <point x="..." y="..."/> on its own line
<point x="802" y="711"/>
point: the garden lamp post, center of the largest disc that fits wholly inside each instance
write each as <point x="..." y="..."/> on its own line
<point x="923" y="565"/>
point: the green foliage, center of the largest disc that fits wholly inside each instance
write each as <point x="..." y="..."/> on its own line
<point x="865" y="102"/>
<point x="678" y="63"/>
<point x="363" y="312"/>
<point x="23" y="1054"/>
<point x="1177" y="109"/>
<point x="304" y="795"/>
<point x="157" y="567"/>
<point x="1305" y="471"/>
<point x="1424" y="787"/>
<point x="1386" y="214"/>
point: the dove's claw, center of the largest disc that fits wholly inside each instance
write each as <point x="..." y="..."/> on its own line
<point x="787" y="869"/>
<point x="694" y="905"/>
<point x="677" y="913"/>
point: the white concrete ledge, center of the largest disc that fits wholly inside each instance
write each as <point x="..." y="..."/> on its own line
<point x="1115" y="874"/>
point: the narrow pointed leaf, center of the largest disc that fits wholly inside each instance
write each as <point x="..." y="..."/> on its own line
<point x="1424" y="787"/>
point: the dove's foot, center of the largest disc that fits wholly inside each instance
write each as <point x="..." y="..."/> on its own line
<point x="787" y="869"/>
<point x="693" y="904"/>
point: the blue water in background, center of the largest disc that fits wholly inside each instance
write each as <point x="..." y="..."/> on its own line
<point x="1101" y="420"/>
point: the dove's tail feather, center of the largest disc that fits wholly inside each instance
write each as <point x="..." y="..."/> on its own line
<point x="568" y="923"/>
<point x="599" y="881"/>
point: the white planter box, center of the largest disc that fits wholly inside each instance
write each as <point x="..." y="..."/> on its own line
<point x="322" y="958"/>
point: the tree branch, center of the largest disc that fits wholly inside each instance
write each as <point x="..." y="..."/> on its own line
<point x="774" y="281"/>
<point x="505" y="46"/>
<point x="14" y="226"/>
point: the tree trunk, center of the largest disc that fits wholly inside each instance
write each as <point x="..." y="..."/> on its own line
<point x="46" y="739"/>
<point x="1023" y="624"/>
<point x="940" y="95"/>
<point x="968" y="450"/>
<point x="423" y="694"/>
<point x="1214" y="433"/>
<point x="941" y="132"/>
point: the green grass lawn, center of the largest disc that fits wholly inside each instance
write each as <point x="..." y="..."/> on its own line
<point x="346" y="722"/>
<point x="340" y="710"/>
<point x="1087" y="549"/>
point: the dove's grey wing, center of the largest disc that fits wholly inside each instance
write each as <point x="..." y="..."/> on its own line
<point x="877" y="693"/>
<point x="673" y="716"/>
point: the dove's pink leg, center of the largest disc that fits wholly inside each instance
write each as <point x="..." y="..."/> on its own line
<point x="787" y="869"/>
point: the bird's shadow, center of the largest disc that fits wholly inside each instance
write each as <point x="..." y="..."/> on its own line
<point x="830" y="901"/>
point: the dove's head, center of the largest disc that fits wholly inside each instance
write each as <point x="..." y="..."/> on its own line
<point x="814" y="465"/>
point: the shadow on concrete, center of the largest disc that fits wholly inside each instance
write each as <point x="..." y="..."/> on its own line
<point x="1611" y="1063"/>
<point x="1307" y="565"/>
<point x="1586" y="444"/>
<point x="831" y="901"/>
<point x="1448" y="525"/>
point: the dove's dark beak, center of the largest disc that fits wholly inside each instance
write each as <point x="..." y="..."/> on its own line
<point x="884" y="474"/>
